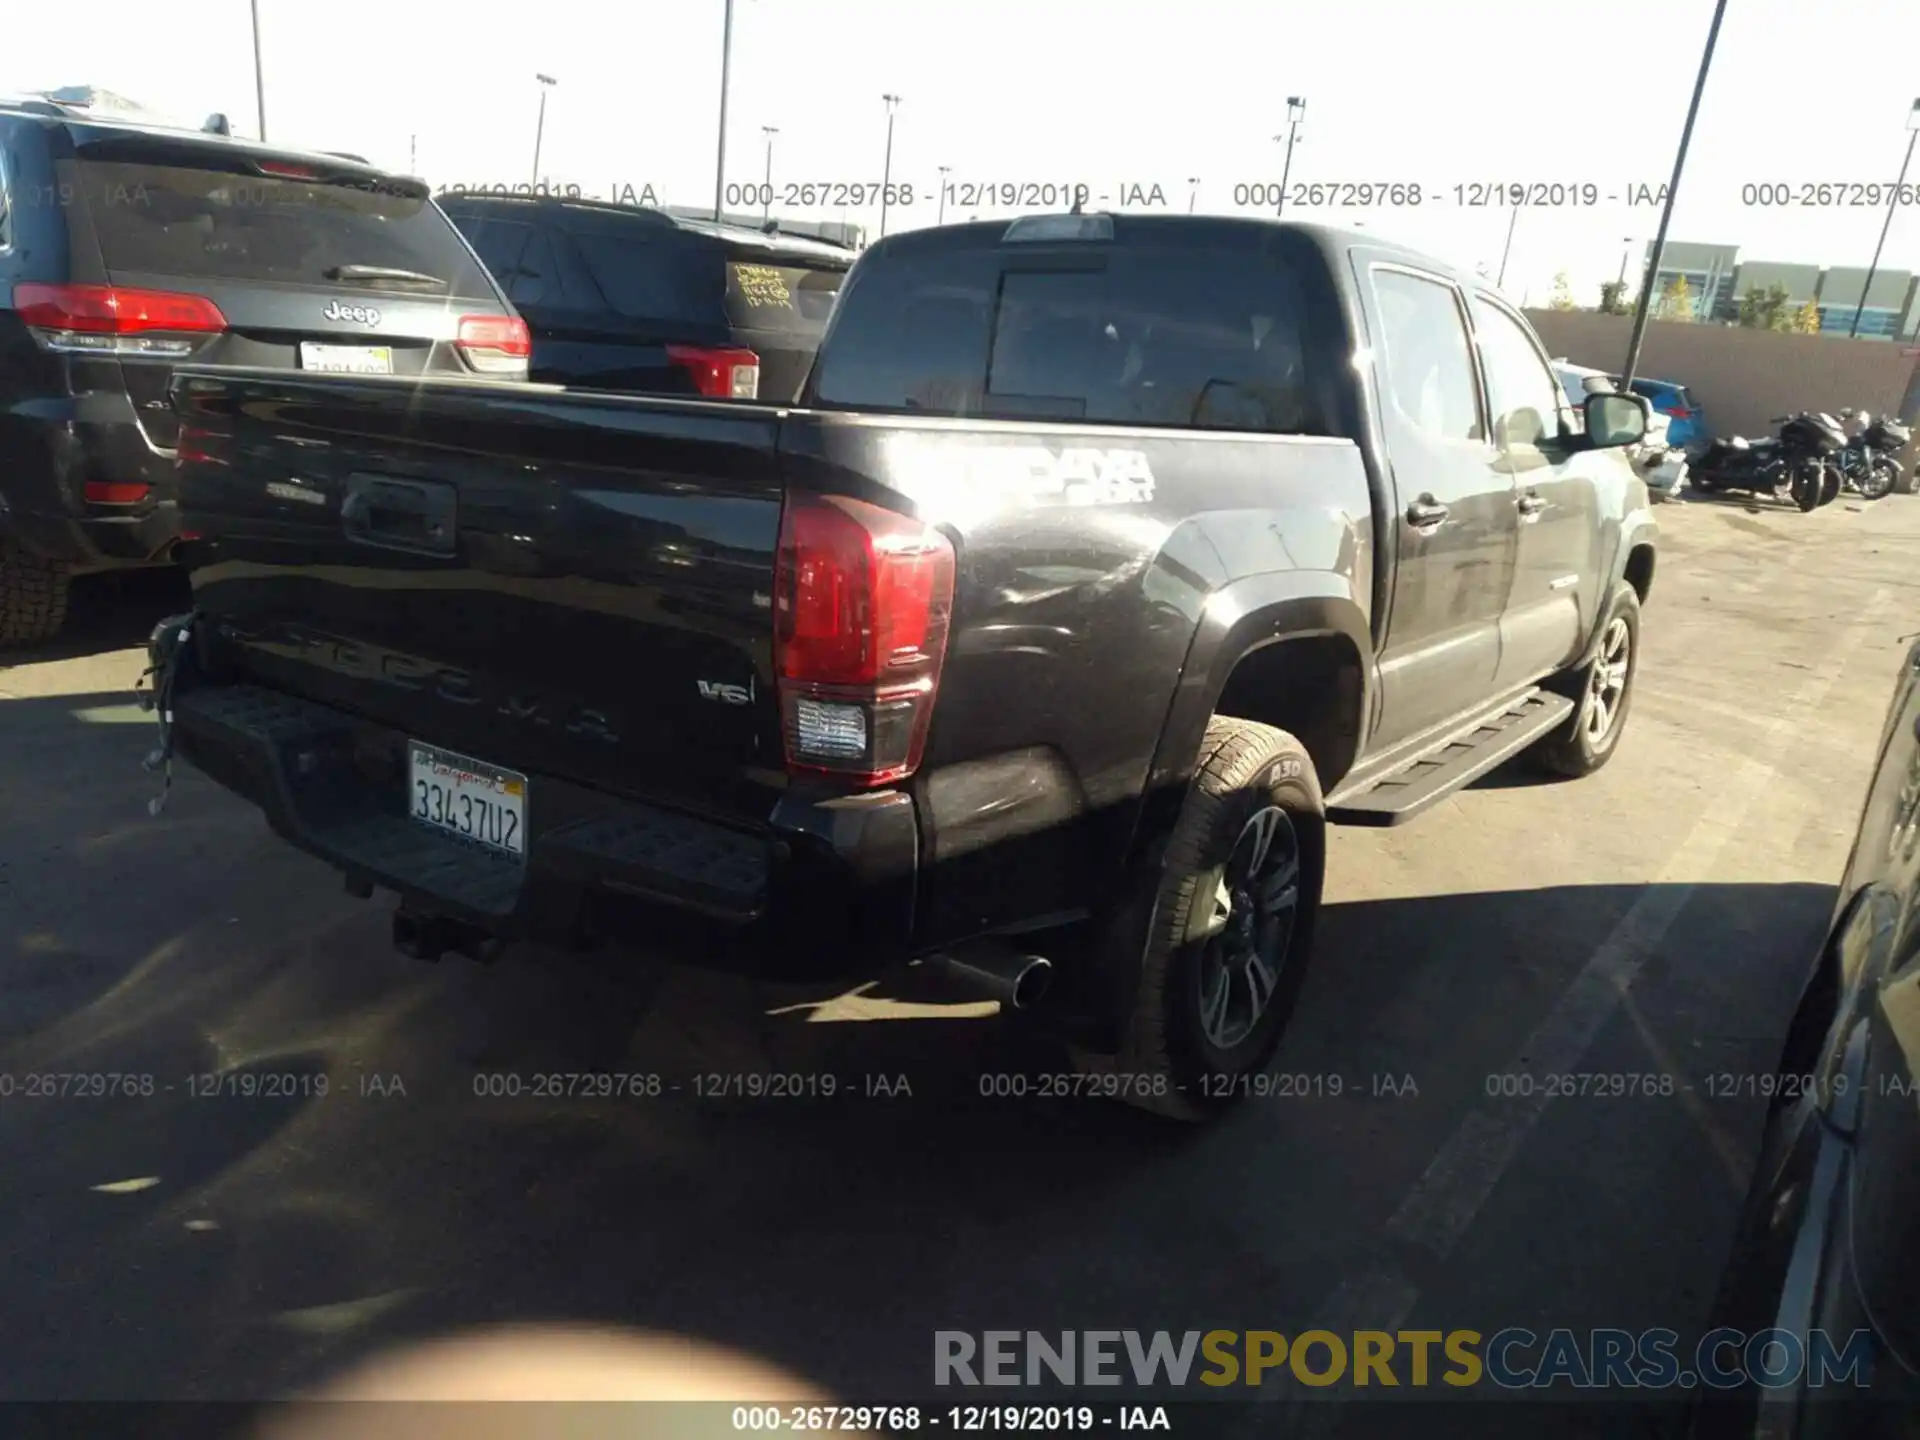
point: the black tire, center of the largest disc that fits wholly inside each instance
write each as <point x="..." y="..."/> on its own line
<point x="33" y="597"/>
<point x="1170" y="1062"/>
<point x="1882" y="474"/>
<point x="1830" y="478"/>
<point x="1805" y="489"/>
<point x="1575" y="749"/>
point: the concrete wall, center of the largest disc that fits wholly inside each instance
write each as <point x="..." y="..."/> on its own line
<point x="1743" y="377"/>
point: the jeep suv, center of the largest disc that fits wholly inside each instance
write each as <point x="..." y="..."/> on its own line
<point x="127" y="248"/>
<point x="643" y="301"/>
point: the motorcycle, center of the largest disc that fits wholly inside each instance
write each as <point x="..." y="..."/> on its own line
<point x="1866" y="461"/>
<point x="1800" y="460"/>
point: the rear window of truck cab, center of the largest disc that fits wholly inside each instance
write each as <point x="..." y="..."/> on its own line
<point x="1148" y="333"/>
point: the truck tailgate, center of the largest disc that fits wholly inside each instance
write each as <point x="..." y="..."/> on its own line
<point x="572" y="585"/>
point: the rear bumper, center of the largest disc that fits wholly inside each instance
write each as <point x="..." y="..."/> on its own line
<point x="826" y="890"/>
<point x="51" y="450"/>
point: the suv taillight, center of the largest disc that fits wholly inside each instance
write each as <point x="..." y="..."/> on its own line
<point x="719" y="374"/>
<point x="494" y="344"/>
<point x="862" y="598"/>
<point x="1680" y="412"/>
<point x="113" y="320"/>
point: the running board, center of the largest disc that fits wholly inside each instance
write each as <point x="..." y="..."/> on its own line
<point x="1456" y="761"/>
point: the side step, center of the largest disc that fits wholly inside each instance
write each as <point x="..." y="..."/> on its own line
<point x="1456" y="761"/>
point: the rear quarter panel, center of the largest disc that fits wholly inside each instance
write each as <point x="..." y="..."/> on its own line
<point x="1077" y="608"/>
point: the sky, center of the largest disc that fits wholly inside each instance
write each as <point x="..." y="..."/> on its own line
<point x="1120" y="96"/>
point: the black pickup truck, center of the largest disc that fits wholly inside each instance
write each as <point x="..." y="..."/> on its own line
<point x="1102" y="562"/>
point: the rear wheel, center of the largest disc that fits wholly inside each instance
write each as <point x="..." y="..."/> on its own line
<point x="33" y="596"/>
<point x="1880" y="477"/>
<point x="1230" y="930"/>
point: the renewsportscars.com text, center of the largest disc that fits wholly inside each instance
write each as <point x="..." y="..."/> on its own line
<point x="1513" y="1359"/>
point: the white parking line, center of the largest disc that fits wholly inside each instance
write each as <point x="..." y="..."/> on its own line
<point x="1445" y="1200"/>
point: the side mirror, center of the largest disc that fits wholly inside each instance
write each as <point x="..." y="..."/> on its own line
<point x="1615" y="420"/>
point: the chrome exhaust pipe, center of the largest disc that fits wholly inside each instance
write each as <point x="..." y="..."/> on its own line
<point x="993" y="972"/>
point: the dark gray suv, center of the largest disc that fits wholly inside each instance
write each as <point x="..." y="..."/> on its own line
<point x="126" y="249"/>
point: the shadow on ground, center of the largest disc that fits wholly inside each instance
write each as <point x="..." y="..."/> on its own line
<point x="328" y="1148"/>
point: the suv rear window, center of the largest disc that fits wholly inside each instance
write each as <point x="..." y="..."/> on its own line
<point x="214" y="224"/>
<point x="647" y="277"/>
<point x="790" y="298"/>
<point x="1135" y="334"/>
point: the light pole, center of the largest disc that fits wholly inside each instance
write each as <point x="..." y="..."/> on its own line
<point x="1193" y="191"/>
<point x="766" y="189"/>
<point x="413" y="154"/>
<point x="547" y="82"/>
<point x="726" y="78"/>
<point x="941" y="218"/>
<point x="1666" y="214"/>
<point x="259" y="75"/>
<point x="1913" y="125"/>
<point x="886" y="170"/>
<point x="1508" y="249"/>
<point x="1296" y="112"/>
<point x="1626" y="253"/>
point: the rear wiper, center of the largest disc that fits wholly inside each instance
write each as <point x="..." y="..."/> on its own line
<point x="384" y="272"/>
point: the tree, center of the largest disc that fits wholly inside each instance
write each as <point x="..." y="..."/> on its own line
<point x="1806" y="320"/>
<point x="1676" y="302"/>
<point x="1613" y="298"/>
<point x="1769" y="309"/>
<point x="1562" y="294"/>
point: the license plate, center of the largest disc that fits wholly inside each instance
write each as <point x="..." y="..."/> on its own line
<point x="347" y="359"/>
<point x="458" y="795"/>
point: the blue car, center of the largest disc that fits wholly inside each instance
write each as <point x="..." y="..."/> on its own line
<point x="1686" y="421"/>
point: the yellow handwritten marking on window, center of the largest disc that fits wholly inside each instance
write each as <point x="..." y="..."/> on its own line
<point x="762" y="285"/>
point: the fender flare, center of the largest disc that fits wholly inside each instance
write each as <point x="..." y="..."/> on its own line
<point x="1237" y="619"/>
<point x="1637" y="529"/>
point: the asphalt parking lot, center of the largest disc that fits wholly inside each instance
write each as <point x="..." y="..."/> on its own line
<point x="1655" y="920"/>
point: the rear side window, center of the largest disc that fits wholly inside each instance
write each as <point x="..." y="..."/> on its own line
<point x="651" y="278"/>
<point x="1428" y="362"/>
<point x="788" y="298"/>
<point x="1180" y="337"/>
<point x="212" y="224"/>
<point x="517" y="255"/>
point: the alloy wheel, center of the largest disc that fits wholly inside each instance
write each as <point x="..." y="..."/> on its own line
<point x="1607" y="683"/>
<point x="1250" y="931"/>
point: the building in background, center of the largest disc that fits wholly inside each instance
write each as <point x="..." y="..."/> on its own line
<point x="1717" y="278"/>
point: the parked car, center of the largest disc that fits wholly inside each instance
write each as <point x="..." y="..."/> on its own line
<point x="1687" y="429"/>
<point x="1660" y="463"/>
<point x="1830" y="1235"/>
<point x="623" y="298"/>
<point x="1089" y="580"/>
<point x="127" y="248"/>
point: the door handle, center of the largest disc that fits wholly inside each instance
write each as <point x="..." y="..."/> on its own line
<point x="1426" y="512"/>
<point x="1531" y="504"/>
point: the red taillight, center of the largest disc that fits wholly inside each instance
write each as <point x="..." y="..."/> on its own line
<point x="862" y="598"/>
<point x="720" y="374"/>
<point x="494" y="344"/>
<point x="286" y="171"/>
<point x="1680" y="412"/>
<point x="105" y="492"/>
<point x="113" y="320"/>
